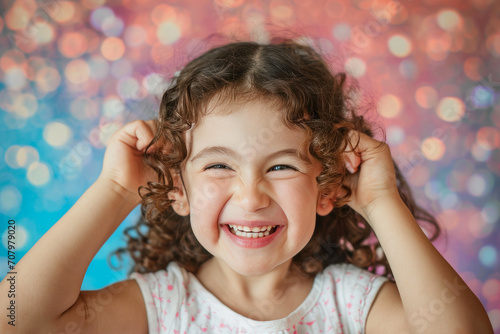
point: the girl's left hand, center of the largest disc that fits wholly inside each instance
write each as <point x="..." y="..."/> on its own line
<point x="373" y="177"/>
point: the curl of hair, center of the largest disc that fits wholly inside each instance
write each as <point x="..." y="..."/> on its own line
<point x="298" y="80"/>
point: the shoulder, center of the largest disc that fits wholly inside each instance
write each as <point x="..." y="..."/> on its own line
<point x="163" y="291"/>
<point x="354" y="290"/>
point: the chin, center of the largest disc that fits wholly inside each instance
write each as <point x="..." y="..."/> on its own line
<point x="247" y="268"/>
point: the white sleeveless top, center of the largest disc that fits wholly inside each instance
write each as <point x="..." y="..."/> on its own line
<point x="339" y="301"/>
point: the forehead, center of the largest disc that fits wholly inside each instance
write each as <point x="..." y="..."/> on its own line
<point x="255" y="124"/>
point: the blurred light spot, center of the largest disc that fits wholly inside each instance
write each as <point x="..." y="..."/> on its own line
<point x="92" y="4"/>
<point x="47" y="79"/>
<point x="130" y="89"/>
<point x="72" y="44"/>
<point x="11" y="156"/>
<point x="99" y="68"/>
<point x="56" y="134"/>
<point x="473" y="68"/>
<point x="355" y="67"/>
<point x="449" y="219"/>
<point x="99" y="15"/>
<point x="44" y="33"/>
<point x="26" y="105"/>
<point x="488" y="255"/>
<point x="449" y="19"/>
<point x="168" y="32"/>
<point x="389" y="106"/>
<point x="450" y="109"/>
<point x="395" y="135"/>
<point x="112" y="48"/>
<point x="77" y="71"/>
<point x="135" y="35"/>
<point x="12" y="58"/>
<point x="162" y="13"/>
<point x="15" y="12"/>
<point x="399" y="45"/>
<point x="21" y="237"/>
<point x="482" y="97"/>
<point x="479" y="228"/>
<point x="491" y="211"/>
<point x="112" y="107"/>
<point x="493" y="45"/>
<point x="480" y="183"/>
<point x="433" y="148"/>
<point x="488" y="137"/>
<point x="15" y="79"/>
<point x="426" y="97"/>
<point x="408" y="69"/>
<point x="84" y="108"/>
<point x="342" y="32"/>
<point x="437" y="47"/>
<point x="479" y="152"/>
<point x="10" y="200"/>
<point x="63" y="12"/>
<point x="112" y="26"/>
<point x="155" y="83"/>
<point x="26" y="155"/>
<point x="280" y="11"/>
<point x="38" y="173"/>
<point x="491" y="289"/>
<point x="121" y="68"/>
<point x="448" y="201"/>
<point x="419" y="176"/>
<point x="433" y="189"/>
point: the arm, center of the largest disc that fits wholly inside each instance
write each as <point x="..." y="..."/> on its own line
<point x="434" y="297"/>
<point x="51" y="273"/>
<point x="430" y="297"/>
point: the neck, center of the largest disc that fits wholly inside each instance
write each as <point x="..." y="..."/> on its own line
<point x="264" y="297"/>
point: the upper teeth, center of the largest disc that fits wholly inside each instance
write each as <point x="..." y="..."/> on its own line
<point x="252" y="229"/>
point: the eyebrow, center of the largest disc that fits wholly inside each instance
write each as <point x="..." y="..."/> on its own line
<point x="223" y="150"/>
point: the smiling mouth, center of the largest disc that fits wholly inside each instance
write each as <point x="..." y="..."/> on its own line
<point x="252" y="232"/>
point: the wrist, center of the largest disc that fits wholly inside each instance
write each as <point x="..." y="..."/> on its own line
<point x="128" y="198"/>
<point x="378" y="209"/>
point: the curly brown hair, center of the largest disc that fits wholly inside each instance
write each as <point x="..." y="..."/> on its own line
<point x="312" y="97"/>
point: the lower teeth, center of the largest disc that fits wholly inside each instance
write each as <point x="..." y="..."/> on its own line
<point x="252" y="235"/>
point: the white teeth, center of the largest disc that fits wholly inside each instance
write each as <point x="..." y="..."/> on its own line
<point x="248" y="232"/>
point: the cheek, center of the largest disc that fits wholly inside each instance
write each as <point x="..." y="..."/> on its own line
<point x="206" y="202"/>
<point x="299" y="200"/>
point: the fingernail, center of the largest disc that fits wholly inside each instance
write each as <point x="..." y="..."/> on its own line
<point x="349" y="167"/>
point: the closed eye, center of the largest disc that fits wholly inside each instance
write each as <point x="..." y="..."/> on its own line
<point x="282" y="167"/>
<point x="274" y="168"/>
<point x="217" y="166"/>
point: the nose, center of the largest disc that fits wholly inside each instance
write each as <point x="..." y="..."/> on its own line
<point x="251" y="195"/>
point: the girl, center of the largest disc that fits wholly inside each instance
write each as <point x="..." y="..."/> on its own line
<point x="269" y="193"/>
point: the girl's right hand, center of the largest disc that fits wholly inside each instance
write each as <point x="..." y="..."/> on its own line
<point x="123" y="162"/>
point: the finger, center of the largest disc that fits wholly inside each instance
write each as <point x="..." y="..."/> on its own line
<point x="136" y="134"/>
<point x="356" y="152"/>
<point x="352" y="160"/>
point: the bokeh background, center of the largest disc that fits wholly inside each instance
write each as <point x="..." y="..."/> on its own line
<point x="73" y="72"/>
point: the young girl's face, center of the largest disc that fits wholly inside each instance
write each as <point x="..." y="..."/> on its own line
<point x="241" y="173"/>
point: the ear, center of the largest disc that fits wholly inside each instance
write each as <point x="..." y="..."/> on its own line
<point x="325" y="204"/>
<point x="181" y="204"/>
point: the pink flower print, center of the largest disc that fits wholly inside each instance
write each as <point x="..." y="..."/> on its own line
<point x="310" y="323"/>
<point x="170" y="288"/>
<point x="159" y="298"/>
<point x="349" y="305"/>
